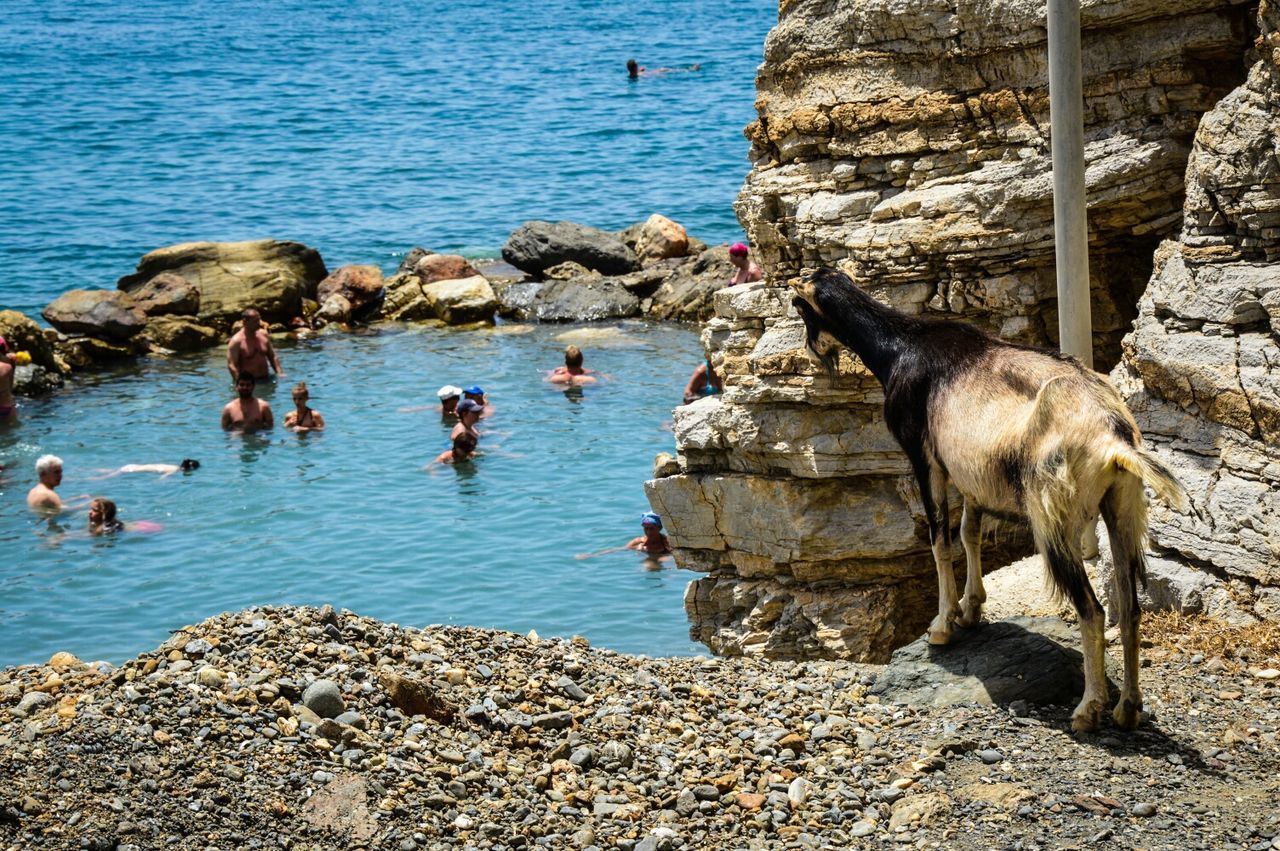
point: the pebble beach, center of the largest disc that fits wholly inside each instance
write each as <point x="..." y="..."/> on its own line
<point x="308" y="728"/>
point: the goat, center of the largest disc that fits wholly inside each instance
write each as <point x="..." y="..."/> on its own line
<point x="1021" y="432"/>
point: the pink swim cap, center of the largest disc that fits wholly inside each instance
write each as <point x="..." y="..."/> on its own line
<point x="737" y="248"/>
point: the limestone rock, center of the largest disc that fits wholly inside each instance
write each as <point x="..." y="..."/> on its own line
<point x="32" y="379"/>
<point x="404" y="299"/>
<point x="361" y="286"/>
<point x="342" y="807"/>
<point x="108" y="314"/>
<point x="167" y="294"/>
<point x="179" y="334"/>
<point x="24" y="334"/>
<point x="660" y="238"/>
<point x="687" y="294"/>
<point x="335" y="308"/>
<point x="269" y="275"/>
<point x="536" y="246"/>
<point x="460" y="301"/>
<point x="443" y="267"/>
<point x="1031" y="659"/>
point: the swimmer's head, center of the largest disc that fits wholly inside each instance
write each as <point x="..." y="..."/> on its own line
<point x="651" y="519"/>
<point x="104" y="509"/>
<point x="464" y="444"/>
<point x="475" y="391"/>
<point x="633" y="68"/>
<point x="738" y="249"/>
<point x="189" y="464"/>
<point x="572" y="356"/>
<point x="469" y="406"/>
<point x="300" y="390"/>
<point x="245" y="382"/>
<point x="252" y="319"/>
<point x="48" y="465"/>
<point x="448" y="392"/>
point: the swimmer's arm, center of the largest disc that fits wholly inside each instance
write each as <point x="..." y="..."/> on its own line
<point x="581" y="556"/>
<point x="233" y="355"/>
<point x="268" y="418"/>
<point x="317" y="421"/>
<point x="275" y="359"/>
<point x="696" y="382"/>
<point x="227" y="424"/>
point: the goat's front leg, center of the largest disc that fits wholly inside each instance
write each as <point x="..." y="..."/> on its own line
<point x="935" y="504"/>
<point x="974" y="594"/>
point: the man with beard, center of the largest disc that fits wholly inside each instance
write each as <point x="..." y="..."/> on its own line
<point x="246" y="412"/>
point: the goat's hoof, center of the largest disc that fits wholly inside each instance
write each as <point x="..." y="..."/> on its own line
<point x="1128" y="713"/>
<point x="1088" y="716"/>
<point x="969" y="616"/>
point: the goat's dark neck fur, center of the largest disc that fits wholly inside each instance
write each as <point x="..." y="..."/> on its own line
<point x="873" y="331"/>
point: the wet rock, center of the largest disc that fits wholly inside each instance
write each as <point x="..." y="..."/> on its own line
<point x="178" y="334"/>
<point x="109" y="314"/>
<point x="575" y="300"/>
<point x="537" y="245"/>
<point x="24" y="334"/>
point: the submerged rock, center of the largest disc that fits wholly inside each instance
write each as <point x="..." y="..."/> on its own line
<point x="179" y="334"/>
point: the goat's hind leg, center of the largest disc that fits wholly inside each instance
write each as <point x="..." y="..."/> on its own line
<point x="1124" y="512"/>
<point x="974" y="594"/>
<point x="1066" y="566"/>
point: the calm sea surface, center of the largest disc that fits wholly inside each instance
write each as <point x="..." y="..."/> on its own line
<point x="349" y="516"/>
<point x="362" y="128"/>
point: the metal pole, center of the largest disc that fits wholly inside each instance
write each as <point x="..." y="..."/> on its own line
<point x="1070" y="223"/>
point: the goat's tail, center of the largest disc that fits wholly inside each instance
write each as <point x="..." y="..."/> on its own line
<point x="1153" y="472"/>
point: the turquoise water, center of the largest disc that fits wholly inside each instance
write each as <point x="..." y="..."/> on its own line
<point x="360" y="127"/>
<point x="349" y="516"/>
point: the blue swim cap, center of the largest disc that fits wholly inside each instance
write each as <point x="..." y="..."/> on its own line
<point x="474" y="390"/>
<point x="651" y="519"/>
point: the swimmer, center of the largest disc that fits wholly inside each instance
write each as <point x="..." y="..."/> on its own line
<point x="463" y="449"/>
<point x="44" y="497"/>
<point x="703" y="382"/>
<point x="102" y="517"/>
<point x="572" y="372"/>
<point x="476" y="394"/>
<point x="247" y="412"/>
<point x="468" y="415"/>
<point x="188" y="465"/>
<point x="303" y="418"/>
<point x="249" y="350"/>
<point x="449" y="397"/>
<point x="746" y="269"/>
<point x="652" y="543"/>
<point x="8" y="405"/>
<point x="635" y="70"/>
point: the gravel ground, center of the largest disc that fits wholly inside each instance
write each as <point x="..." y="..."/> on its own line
<point x="314" y="729"/>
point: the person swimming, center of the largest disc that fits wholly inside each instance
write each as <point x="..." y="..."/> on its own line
<point x="102" y="517"/>
<point x="572" y="373"/>
<point x="703" y="382"/>
<point x="303" y="418"/>
<point x="652" y="543"/>
<point x="463" y="449"/>
<point x="188" y="465"/>
<point x="635" y="70"/>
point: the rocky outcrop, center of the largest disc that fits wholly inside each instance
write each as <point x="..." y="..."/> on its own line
<point x="1201" y="368"/>
<point x="536" y="246"/>
<point x="585" y="298"/>
<point x="908" y="145"/>
<point x="404" y="300"/>
<point x="168" y="294"/>
<point x="108" y="314"/>
<point x="24" y="334"/>
<point x="361" y="287"/>
<point x="461" y="301"/>
<point x="178" y="334"/>
<point x="269" y="275"/>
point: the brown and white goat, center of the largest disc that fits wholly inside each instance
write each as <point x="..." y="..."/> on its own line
<point x="1020" y="432"/>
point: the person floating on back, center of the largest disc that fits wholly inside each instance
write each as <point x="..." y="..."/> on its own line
<point x="188" y="465"/>
<point x="303" y="418"/>
<point x="246" y="412"/>
<point x="249" y="350"/>
<point x="635" y="70"/>
<point x="572" y="372"/>
<point x="746" y="269"/>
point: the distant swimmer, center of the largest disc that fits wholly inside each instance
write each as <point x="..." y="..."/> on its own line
<point x="449" y="397"/>
<point x="249" y="350"/>
<point x="463" y="449"/>
<point x="303" y="418"/>
<point x="188" y="465"/>
<point x="747" y="270"/>
<point x="703" y="382"/>
<point x="246" y="412"/>
<point x="653" y="542"/>
<point x="8" y="405"/>
<point x="572" y="372"/>
<point x="476" y="394"/>
<point x="468" y="415"/>
<point x="635" y="70"/>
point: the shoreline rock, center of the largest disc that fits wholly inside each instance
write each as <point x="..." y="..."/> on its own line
<point x="459" y="737"/>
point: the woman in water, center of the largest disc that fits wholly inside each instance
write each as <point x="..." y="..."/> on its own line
<point x="303" y="418"/>
<point x="102" y="517"/>
<point x="745" y="269"/>
<point x="165" y="470"/>
<point x="703" y="382"/>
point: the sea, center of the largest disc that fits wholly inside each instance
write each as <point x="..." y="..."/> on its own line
<point x="362" y="129"/>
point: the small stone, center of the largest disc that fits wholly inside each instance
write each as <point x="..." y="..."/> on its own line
<point x="750" y="801"/>
<point x="798" y="792"/>
<point x="860" y="829"/>
<point x="990" y="756"/>
<point x="324" y="698"/>
<point x="570" y="689"/>
<point x="1268" y="674"/>
<point x="211" y="677"/>
<point x="1144" y="809"/>
<point x="32" y="702"/>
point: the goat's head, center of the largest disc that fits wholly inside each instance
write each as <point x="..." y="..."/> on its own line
<point x="823" y="346"/>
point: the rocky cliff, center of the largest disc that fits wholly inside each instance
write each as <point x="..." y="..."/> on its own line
<point x="907" y="142"/>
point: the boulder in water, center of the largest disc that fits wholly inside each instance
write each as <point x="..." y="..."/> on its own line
<point x="179" y="334"/>
<point x="460" y="301"/>
<point x="168" y="294"/>
<point x="269" y="275"/>
<point x="443" y="267"/>
<point x="404" y="299"/>
<point x="335" y="308"/>
<point x="577" y="300"/>
<point x="659" y="239"/>
<point x="24" y="334"/>
<point x="108" y="314"/>
<point x="360" y="286"/>
<point x="687" y="292"/>
<point x="536" y="246"/>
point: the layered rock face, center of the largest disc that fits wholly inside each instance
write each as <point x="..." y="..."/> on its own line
<point x="908" y="144"/>
<point x="1201" y="369"/>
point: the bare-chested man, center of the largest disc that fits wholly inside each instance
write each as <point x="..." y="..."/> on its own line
<point x="43" y="497"/>
<point x="247" y="412"/>
<point x="249" y="350"/>
<point x="8" y="405"/>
